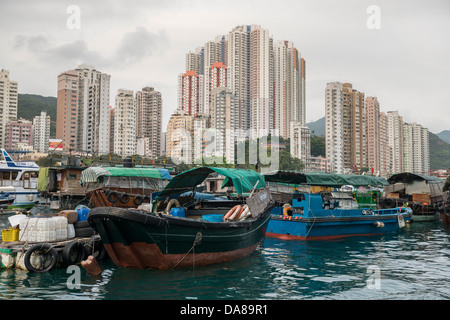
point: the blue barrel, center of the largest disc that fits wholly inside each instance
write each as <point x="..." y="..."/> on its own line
<point x="177" y="212"/>
<point x="83" y="213"/>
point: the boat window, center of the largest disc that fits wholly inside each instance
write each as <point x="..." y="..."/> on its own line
<point x="34" y="174"/>
<point x="299" y="196"/>
<point x="5" y="175"/>
<point x="72" y="176"/>
<point x="14" y="174"/>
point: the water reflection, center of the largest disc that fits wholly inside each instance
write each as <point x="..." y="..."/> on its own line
<point x="413" y="264"/>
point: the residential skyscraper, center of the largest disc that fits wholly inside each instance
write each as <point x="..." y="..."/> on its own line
<point x="67" y="109"/>
<point x="125" y="123"/>
<point x="289" y="87"/>
<point x="373" y="133"/>
<point x="334" y="130"/>
<point x="8" y="102"/>
<point x="149" y="120"/>
<point x="222" y="120"/>
<point x="344" y="127"/>
<point x="416" y="152"/>
<point x="190" y="93"/>
<point x="395" y="141"/>
<point x="83" y="109"/>
<point x="41" y="132"/>
<point x="261" y="81"/>
<point x="300" y="142"/>
<point x="19" y="132"/>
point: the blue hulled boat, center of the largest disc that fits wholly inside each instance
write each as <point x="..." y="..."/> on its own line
<point x="328" y="214"/>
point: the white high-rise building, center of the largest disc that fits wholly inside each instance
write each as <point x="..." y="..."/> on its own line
<point x="149" y="120"/>
<point x="395" y="140"/>
<point x="125" y="123"/>
<point x="8" y="103"/>
<point x="289" y="87"/>
<point x="222" y="121"/>
<point x="416" y="152"/>
<point x="261" y="82"/>
<point x="300" y="142"/>
<point x="334" y="148"/>
<point x="41" y="132"/>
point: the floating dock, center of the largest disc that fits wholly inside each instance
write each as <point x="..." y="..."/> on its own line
<point x="44" y="256"/>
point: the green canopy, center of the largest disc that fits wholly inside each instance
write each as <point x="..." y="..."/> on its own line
<point x="363" y="180"/>
<point x="324" y="179"/>
<point x="91" y="174"/>
<point x="242" y="180"/>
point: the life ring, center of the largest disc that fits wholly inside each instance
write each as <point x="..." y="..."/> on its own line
<point x="112" y="196"/>
<point x="287" y="210"/>
<point x="138" y="200"/>
<point x="171" y="203"/>
<point x="73" y="253"/>
<point x="233" y="211"/>
<point x="44" y="248"/>
<point x="124" y="198"/>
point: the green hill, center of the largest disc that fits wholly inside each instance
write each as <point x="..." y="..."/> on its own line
<point x="444" y="135"/>
<point x="439" y="153"/>
<point x="31" y="105"/>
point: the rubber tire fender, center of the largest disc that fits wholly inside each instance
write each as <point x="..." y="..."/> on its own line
<point x="138" y="200"/>
<point x="40" y="246"/>
<point x="124" y="198"/>
<point x="68" y="250"/>
<point x="112" y="197"/>
<point x="99" y="249"/>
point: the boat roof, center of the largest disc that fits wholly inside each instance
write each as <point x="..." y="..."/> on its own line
<point x="91" y="174"/>
<point x="408" y="177"/>
<point x="324" y="179"/>
<point x="243" y="180"/>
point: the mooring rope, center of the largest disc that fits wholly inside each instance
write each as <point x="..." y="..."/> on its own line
<point x="197" y="240"/>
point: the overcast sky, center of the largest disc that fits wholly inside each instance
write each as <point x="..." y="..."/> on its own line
<point x="404" y="63"/>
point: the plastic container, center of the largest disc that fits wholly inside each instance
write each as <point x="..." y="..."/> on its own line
<point x="213" y="217"/>
<point x="10" y="235"/>
<point x="177" y="212"/>
<point x="71" y="215"/>
<point x="70" y="231"/>
<point x="83" y="212"/>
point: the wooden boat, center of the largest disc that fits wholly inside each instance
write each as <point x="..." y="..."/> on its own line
<point x="329" y="215"/>
<point x="445" y="214"/>
<point x="422" y="193"/>
<point x="122" y="186"/>
<point x="195" y="231"/>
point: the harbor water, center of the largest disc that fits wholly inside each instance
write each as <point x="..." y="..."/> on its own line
<point x="413" y="264"/>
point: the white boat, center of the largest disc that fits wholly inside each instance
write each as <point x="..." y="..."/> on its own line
<point x="23" y="177"/>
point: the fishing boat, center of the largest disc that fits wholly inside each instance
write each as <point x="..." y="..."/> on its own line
<point x="122" y="187"/>
<point x="181" y="230"/>
<point x="5" y="196"/>
<point x="329" y="214"/>
<point x="23" y="177"/>
<point x="422" y="193"/>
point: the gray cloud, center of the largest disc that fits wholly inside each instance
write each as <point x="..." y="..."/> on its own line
<point x="134" y="46"/>
<point x="140" y="44"/>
